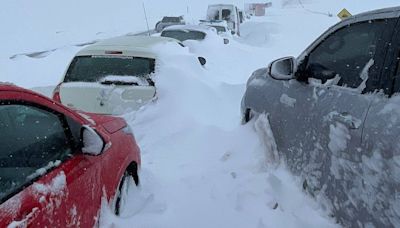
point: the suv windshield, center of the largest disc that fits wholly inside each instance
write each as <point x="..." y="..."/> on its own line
<point x="94" y="68"/>
<point x="183" y="35"/>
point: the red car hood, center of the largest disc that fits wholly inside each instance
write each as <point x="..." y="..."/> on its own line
<point x="110" y="123"/>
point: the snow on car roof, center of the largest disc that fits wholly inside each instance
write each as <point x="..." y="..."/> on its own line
<point x="201" y="28"/>
<point x="214" y="22"/>
<point x="10" y="86"/>
<point x="129" y="45"/>
<point x="134" y="41"/>
<point x="390" y="12"/>
<point x="6" y="86"/>
<point x="221" y="5"/>
<point x="6" y="83"/>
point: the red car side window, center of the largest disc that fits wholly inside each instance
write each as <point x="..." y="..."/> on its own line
<point x="32" y="141"/>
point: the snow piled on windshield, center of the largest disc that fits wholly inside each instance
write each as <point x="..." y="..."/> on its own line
<point x="135" y="80"/>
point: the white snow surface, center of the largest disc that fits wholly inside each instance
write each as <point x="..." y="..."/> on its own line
<point x="200" y="167"/>
<point x="57" y="185"/>
<point x="288" y="101"/>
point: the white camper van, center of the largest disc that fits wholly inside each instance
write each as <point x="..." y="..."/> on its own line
<point x="227" y="12"/>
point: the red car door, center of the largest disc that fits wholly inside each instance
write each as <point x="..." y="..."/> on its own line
<point x="44" y="180"/>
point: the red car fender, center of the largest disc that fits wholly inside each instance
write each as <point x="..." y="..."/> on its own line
<point x="125" y="157"/>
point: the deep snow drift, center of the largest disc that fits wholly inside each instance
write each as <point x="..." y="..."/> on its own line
<point x="201" y="168"/>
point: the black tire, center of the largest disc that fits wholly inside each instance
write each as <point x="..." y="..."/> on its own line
<point x="248" y="115"/>
<point x="131" y="172"/>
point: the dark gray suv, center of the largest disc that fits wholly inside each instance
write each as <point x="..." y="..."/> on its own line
<point x="335" y="115"/>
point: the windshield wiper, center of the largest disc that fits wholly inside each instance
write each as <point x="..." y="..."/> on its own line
<point x="111" y="82"/>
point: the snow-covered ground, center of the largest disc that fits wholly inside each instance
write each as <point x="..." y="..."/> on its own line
<point x="200" y="168"/>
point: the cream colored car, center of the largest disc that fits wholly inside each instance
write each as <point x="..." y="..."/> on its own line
<point x="113" y="76"/>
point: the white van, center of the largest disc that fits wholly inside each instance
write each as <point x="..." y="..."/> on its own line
<point x="227" y="12"/>
<point x="112" y="76"/>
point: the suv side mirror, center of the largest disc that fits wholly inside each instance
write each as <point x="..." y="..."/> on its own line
<point x="283" y="68"/>
<point x="93" y="143"/>
<point x="226" y="41"/>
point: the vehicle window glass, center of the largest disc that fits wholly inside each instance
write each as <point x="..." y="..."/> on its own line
<point x="75" y="130"/>
<point x="226" y="14"/>
<point x="94" y="68"/>
<point x="183" y="35"/>
<point x="171" y="19"/>
<point x="32" y="141"/>
<point x="348" y="53"/>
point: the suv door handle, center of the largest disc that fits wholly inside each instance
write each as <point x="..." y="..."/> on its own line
<point x="346" y="119"/>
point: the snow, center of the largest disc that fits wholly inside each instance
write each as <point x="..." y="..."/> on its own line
<point x="200" y="167"/>
<point x="23" y="222"/>
<point x="288" y="101"/>
<point x="141" y="81"/>
<point x="266" y="136"/>
<point x="364" y="75"/>
<point x="339" y="135"/>
<point x="43" y="170"/>
<point x="87" y="117"/>
<point x="57" y="185"/>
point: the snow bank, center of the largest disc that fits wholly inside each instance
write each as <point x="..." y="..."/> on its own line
<point x="201" y="168"/>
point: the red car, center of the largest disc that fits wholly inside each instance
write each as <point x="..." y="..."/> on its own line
<point x="56" y="164"/>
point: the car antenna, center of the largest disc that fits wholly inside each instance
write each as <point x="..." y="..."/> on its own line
<point x="145" y="16"/>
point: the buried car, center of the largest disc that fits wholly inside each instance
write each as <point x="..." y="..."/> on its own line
<point x="220" y="25"/>
<point x="192" y="32"/>
<point x="334" y="113"/>
<point x="113" y="76"/>
<point x="56" y="165"/>
<point x="168" y="21"/>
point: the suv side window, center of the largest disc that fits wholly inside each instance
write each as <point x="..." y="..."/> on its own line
<point x="348" y="52"/>
<point x="32" y="139"/>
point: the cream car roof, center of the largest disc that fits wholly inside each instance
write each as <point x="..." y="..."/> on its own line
<point x="139" y="46"/>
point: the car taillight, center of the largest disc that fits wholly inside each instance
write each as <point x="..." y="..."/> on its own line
<point x="56" y="93"/>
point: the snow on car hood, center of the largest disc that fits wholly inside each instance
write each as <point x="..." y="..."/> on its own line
<point x="138" y="80"/>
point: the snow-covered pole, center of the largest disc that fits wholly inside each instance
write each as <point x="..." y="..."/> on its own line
<point x="145" y="16"/>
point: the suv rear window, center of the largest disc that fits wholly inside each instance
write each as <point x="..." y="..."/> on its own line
<point x="94" y="68"/>
<point x="183" y="35"/>
<point x="171" y="19"/>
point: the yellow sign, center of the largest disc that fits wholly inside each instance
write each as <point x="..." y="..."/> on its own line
<point x="344" y="14"/>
